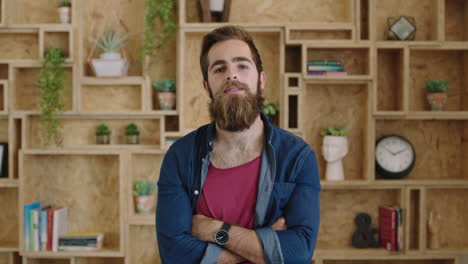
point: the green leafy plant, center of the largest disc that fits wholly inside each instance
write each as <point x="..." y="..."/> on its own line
<point x="112" y="41"/>
<point x="132" y="130"/>
<point x="51" y="83"/>
<point x="64" y="4"/>
<point x="334" y="131"/>
<point x="143" y="188"/>
<point x="103" y="130"/>
<point x="270" y="109"/>
<point x="436" y="86"/>
<point x="156" y="39"/>
<point x="165" y="85"/>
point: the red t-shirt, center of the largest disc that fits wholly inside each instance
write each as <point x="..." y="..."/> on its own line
<point x="230" y="195"/>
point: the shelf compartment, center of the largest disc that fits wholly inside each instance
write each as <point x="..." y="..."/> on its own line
<point x="61" y="180"/>
<point x="79" y="132"/>
<point x="440" y="146"/>
<point x="15" y="144"/>
<point x="143" y="167"/>
<point x="355" y="60"/>
<point x="337" y="218"/>
<point x="425" y="13"/>
<point x="26" y="12"/>
<point x="339" y="104"/>
<point x="456" y="20"/>
<point x="3" y="95"/>
<point x="46" y="261"/>
<point x="364" y="20"/>
<point x="193" y="99"/>
<point x="100" y="260"/>
<point x="448" y="232"/>
<point x="325" y="32"/>
<point x="413" y="217"/>
<point x="4" y="70"/>
<point x="293" y="58"/>
<point x="110" y="98"/>
<point x="448" y="64"/>
<point x="141" y="243"/>
<point x="390" y="79"/>
<point x="9" y="218"/>
<point x="26" y="93"/>
<point x="57" y="39"/>
<point x="275" y="12"/>
<point x="18" y="45"/>
<point x="293" y="111"/>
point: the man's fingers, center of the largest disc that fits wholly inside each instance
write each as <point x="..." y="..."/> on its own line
<point x="280" y="224"/>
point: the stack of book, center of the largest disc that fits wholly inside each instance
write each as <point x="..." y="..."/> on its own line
<point x="81" y="241"/>
<point x="391" y="228"/>
<point x="43" y="225"/>
<point x="325" y="68"/>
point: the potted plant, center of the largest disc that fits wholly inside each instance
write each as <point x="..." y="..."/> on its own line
<point x="103" y="134"/>
<point x="51" y="85"/>
<point x="64" y="9"/>
<point x="111" y="63"/>
<point x="132" y="133"/>
<point x="166" y="93"/>
<point x="334" y="148"/>
<point x="215" y="10"/>
<point x="271" y="110"/>
<point x="437" y="96"/>
<point x="143" y="196"/>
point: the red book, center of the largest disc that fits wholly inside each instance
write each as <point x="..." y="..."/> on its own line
<point x="50" y="224"/>
<point x="387" y="228"/>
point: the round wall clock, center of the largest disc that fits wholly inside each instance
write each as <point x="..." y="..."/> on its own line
<point x="394" y="157"/>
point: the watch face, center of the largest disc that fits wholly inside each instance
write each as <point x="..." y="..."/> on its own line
<point x="222" y="237"/>
<point x="394" y="154"/>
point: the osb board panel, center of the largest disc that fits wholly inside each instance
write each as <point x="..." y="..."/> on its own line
<point x="465" y="147"/>
<point x="87" y="185"/>
<point x="4" y="258"/>
<point x="390" y="80"/>
<point x="364" y="19"/>
<point x="27" y="92"/>
<point x="19" y="46"/>
<point x="3" y="130"/>
<point x="414" y="217"/>
<point x="343" y="105"/>
<point x="143" y="247"/>
<point x="59" y="40"/>
<point x="439" y="146"/>
<point x="320" y="35"/>
<point x="47" y="261"/>
<point x="3" y="71"/>
<point x="2" y="92"/>
<point x="195" y="99"/>
<point x="146" y="166"/>
<point x="422" y="11"/>
<point x="98" y="18"/>
<point x="399" y="261"/>
<point x="293" y="59"/>
<point x="35" y="12"/>
<point x="164" y="62"/>
<point x="111" y="98"/>
<point x="284" y="12"/>
<point x="9" y="217"/>
<point x="438" y="64"/>
<point x="340" y="207"/>
<point x="456" y="20"/>
<point x="449" y="231"/>
<point x="354" y="61"/>
<point x="99" y="261"/>
<point x="82" y="132"/>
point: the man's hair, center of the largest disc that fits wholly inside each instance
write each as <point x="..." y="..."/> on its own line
<point x="227" y="33"/>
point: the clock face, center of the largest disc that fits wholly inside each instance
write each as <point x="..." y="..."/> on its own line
<point x="394" y="154"/>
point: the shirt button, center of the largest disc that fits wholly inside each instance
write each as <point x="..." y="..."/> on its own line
<point x="196" y="192"/>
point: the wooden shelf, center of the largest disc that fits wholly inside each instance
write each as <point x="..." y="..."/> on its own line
<point x="65" y="254"/>
<point x="5" y="182"/>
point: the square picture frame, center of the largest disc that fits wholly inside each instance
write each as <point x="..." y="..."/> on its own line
<point x="401" y="28"/>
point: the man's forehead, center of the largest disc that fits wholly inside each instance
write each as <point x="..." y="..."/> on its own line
<point x="229" y="50"/>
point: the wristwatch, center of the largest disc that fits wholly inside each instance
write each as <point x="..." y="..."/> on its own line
<point x="222" y="236"/>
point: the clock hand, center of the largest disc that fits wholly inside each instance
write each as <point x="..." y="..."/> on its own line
<point x="398" y="152"/>
<point x="389" y="150"/>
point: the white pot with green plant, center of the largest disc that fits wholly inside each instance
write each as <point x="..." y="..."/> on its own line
<point x="271" y="110"/>
<point x="103" y="134"/>
<point x="437" y="93"/>
<point x="111" y="63"/>
<point x="133" y="134"/>
<point x="334" y="148"/>
<point x="166" y="94"/>
<point x="64" y="10"/>
<point x="144" y="196"/>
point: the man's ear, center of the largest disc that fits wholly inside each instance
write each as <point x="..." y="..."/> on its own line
<point x="262" y="79"/>
<point x="205" y="86"/>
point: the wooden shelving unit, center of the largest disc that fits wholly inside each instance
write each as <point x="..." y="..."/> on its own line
<point x="382" y="94"/>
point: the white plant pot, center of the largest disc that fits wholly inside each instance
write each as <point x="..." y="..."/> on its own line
<point x="217" y="5"/>
<point x="110" y="67"/>
<point x="65" y="15"/>
<point x="334" y="149"/>
<point x="111" y="56"/>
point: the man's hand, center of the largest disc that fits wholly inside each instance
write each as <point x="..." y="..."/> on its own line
<point x="280" y="224"/>
<point x="204" y="228"/>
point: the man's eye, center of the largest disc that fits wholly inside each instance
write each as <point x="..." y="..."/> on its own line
<point x="243" y="67"/>
<point x="219" y="69"/>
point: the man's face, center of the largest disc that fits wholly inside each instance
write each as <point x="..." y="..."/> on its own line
<point x="234" y="85"/>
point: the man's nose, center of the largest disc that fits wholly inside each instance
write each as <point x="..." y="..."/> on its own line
<point x="231" y="75"/>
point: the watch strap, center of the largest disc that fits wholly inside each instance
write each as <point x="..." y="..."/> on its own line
<point x="226" y="226"/>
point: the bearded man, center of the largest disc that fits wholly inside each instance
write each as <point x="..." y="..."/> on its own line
<point x="238" y="189"/>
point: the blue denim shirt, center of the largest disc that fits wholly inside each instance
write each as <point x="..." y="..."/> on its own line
<point x="289" y="186"/>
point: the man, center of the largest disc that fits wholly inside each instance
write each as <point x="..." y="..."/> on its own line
<point x="238" y="189"/>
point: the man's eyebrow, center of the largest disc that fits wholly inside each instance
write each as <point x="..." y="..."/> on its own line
<point x="235" y="59"/>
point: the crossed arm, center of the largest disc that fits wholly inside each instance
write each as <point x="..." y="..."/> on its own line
<point x="243" y="242"/>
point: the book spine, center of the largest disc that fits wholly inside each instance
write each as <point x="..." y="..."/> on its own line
<point x="387" y="228"/>
<point x="43" y="230"/>
<point x="50" y="224"/>
<point x="324" y="62"/>
<point x="35" y="229"/>
<point x="400" y="237"/>
<point x="325" y="68"/>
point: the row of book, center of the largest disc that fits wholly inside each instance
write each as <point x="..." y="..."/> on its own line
<point x="391" y="228"/>
<point x="46" y="229"/>
<point x="325" y="68"/>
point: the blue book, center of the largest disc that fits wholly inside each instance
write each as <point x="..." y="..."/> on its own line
<point x="27" y="222"/>
<point x="325" y="68"/>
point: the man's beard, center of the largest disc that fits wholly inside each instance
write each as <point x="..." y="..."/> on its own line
<point x="235" y="112"/>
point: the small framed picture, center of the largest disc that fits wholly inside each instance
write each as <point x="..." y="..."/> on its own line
<point x="401" y="28"/>
<point x="3" y="160"/>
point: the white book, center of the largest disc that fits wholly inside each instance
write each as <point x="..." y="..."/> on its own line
<point x="35" y="229"/>
<point x="43" y="228"/>
<point x="60" y="226"/>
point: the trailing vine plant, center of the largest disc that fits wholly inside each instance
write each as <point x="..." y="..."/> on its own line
<point x="51" y="83"/>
